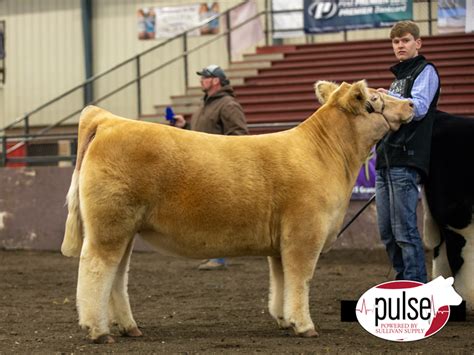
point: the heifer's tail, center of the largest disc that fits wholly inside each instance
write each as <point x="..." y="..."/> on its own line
<point x="73" y="237"/>
<point x="72" y="242"/>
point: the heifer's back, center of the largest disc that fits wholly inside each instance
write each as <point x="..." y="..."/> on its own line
<point x="450" y="186"/>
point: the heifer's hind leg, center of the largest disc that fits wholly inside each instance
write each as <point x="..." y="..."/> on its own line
<point x="101" y="254"/>
<point x="97" y="270"/>
<point x="275" y="300"/>
<point x="119" y="307"/>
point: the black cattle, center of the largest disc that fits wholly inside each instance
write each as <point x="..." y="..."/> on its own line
<point x="449" y="194"/>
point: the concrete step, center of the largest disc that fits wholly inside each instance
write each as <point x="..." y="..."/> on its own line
<point x="256" y="57"/>
<point x="276" y="49"/>
<point x="233" y="74"/>
<point x="186" y="100"/>
<point x="258" y="64"/>
<point x="155" y="118"/>
<point x="182" y="109"/>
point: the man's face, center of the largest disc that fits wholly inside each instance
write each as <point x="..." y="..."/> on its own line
<point x="208" y="83"/>
<point x="406" y="47"/>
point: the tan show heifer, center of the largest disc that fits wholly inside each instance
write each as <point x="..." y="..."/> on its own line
<point x="282" y="195"/>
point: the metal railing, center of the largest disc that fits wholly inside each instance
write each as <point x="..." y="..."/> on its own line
<point x="24" y="121"/>
<point x="2" y="52"/>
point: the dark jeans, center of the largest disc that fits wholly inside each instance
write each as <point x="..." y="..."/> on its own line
<point x="396" y="213"/>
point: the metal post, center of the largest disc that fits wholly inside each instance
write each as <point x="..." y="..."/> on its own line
<point x="267" y="21"/>
<point x="229" y="43"/>
<point x="86" y="14"/>
<point x="430" y="19"/>
<point x="185" y="60"/>
<point x="74" y="151"/>
<point x="4" y="151"/>
<point x="139" y="86"/>
<point x="27" y="125"/>
<point x="271" y="24"/>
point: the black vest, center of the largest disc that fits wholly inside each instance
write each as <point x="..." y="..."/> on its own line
<point x="411" y="144"/>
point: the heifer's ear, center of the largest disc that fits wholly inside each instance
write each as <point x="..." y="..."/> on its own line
<point x="355" y="98"/>
<point x="323" y="90"/>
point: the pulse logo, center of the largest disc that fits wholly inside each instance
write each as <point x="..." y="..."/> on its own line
<point x="322" y="9"/>
<point x="407" y="310"/>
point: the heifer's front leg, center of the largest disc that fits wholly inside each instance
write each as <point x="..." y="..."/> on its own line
<point x="275" y="299"/>
<point x="440" y="262"/>
<point x="463" y="279"/>
<point x="97" y="269"/>
<point x="299" y="262"/>
<point x="119" y="307"/>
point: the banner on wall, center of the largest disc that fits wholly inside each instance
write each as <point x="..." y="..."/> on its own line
<point x="169" y="21"/>
<point x="289" y="22"/>
<point x="469" y="14"/>
<point x="365" y="184"/>
<point x="250" y="33"/>
<point x="452" y="16"/>
<point x="338" y="15"/>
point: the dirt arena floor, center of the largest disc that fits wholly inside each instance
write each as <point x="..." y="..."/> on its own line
<point x="182" y="310"/>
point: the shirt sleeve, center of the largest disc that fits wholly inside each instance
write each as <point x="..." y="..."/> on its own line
<point x="233" y="120"/>
<point x="424" y="90"/>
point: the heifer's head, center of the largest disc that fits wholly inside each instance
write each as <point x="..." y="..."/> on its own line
<point x="357" y="99"/>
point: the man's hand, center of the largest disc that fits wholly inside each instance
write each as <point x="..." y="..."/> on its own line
<point x="180" y="121"/>
<point x="383" y="91"/>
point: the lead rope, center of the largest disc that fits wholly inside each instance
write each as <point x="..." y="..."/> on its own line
<point x="390" y="184"/>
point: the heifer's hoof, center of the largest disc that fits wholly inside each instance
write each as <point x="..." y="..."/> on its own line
<point x="134" y="332"/>
<point x="283" y="324"/>
<point x="104" y="339"/>
<point x="311" y="333"/>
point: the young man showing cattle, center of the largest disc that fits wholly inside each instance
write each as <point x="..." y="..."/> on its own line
<point x="220" y="113"/>
<point x="403" y="156"/>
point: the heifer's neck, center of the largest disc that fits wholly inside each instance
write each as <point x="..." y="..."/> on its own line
<point x="335" y="140"/>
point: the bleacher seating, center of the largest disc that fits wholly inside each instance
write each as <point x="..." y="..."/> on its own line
<point x="276" y="83"/>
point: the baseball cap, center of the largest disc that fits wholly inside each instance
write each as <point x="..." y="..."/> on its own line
<point x="214" y="71"/>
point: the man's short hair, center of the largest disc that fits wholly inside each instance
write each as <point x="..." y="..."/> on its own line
<point x="401" y="28"/>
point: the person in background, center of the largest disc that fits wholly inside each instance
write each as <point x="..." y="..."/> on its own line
<point x="220" y="113"/>
<point x="403" y="156"/>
